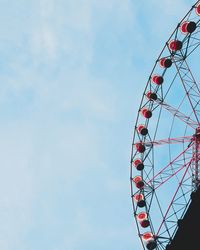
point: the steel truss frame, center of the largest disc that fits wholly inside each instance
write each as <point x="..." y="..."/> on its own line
<point x="185" y="166"/>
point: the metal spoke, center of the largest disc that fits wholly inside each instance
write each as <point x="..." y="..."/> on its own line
<point x="184" y="139"/>
<point x="189" y="83"/>
<point x="178" y="114"/>
<point x="166" y="173"/>
<point x="188" y="165"/>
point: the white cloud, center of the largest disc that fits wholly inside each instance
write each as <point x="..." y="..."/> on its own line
<point x="44" y="43"/>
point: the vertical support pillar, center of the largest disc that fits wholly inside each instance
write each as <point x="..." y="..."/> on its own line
<point x="196" y="160"/>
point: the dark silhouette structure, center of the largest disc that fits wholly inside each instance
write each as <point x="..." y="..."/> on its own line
<point x="187" y="236"/>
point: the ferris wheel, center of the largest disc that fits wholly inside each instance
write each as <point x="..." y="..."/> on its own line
<point x="165" y="157"/>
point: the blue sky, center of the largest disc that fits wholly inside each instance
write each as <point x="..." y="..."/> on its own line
<point x="72" y="74"/>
